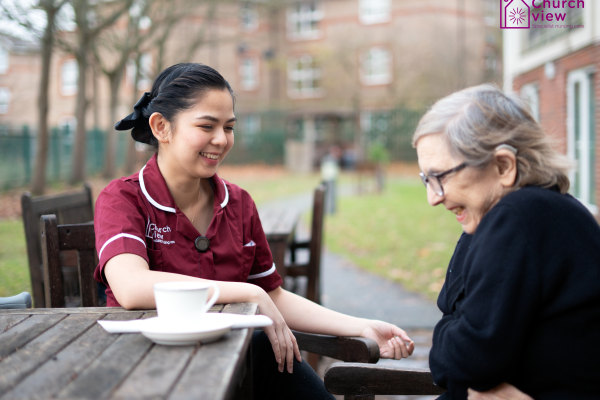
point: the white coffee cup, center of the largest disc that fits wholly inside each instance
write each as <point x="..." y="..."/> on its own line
<point x="184" y="300"/>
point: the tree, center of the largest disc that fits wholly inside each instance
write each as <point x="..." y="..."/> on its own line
<point x="150" y="23"/>
<point x="22" y="14"/>
<point x="91" y="20"/>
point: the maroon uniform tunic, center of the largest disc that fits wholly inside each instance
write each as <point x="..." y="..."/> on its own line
<point x="138" y="215"/>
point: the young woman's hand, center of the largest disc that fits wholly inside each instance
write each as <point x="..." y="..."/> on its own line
<point x="281" y="337"/>
<point x="393" y="342"/>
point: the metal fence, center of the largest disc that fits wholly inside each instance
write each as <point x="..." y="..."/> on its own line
<point x="18" y="149"/>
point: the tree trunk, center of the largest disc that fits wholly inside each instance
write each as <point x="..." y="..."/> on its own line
<point x="111" y="137"/>
<point x="38" y="182"/>
<point x="78" y="166"/>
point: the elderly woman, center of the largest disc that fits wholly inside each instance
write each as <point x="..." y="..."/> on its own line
<point x="521" y="300"/>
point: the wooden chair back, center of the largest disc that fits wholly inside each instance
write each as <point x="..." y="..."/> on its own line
<point x="312" y="268"/>
<point x="73" y="207"/>
<point x="68" y="237"/>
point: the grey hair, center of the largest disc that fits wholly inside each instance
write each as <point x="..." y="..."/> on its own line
<point x="476" y="120"/>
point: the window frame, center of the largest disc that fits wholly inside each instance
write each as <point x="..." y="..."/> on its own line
<point x="374" y="11"/>
<point x="309" y="76"/>
<point x="303" y="20"/>
<point x="375" y="70"/>
<point x="581" y="136"/>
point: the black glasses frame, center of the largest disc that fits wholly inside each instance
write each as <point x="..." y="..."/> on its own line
<point x="438" y="176"/>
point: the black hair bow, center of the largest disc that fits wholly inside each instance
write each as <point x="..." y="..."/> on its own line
<point x="137" y="121"/>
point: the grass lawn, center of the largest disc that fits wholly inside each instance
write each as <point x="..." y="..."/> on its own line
<point x="395" y="234"/>
<point x="14" y="272"/>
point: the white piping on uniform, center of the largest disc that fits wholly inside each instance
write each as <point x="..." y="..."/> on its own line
<point x="150" y="199"/>
<point x="224" y="203"/>
<point x="120" y="235"/>
<point x="263" y="274"/>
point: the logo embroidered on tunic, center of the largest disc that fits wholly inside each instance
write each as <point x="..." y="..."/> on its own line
<point x="158" y="234"/>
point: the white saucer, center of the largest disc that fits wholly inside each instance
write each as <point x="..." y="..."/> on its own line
<point x="182" y="333"/>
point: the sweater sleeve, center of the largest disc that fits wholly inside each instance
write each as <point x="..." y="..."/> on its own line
<point x="490" y="305"/>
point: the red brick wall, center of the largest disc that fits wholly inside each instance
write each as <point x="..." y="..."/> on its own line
<point x="553" y="97"/>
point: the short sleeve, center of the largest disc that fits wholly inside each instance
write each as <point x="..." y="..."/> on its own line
<point x="119" y="224"/>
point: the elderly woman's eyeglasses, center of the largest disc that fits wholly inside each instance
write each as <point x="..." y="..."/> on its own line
<point x="434" y="180"/>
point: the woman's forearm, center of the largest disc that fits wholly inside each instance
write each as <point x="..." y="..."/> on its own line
<point x="304" y="315"/>
<point x="132" y="283"/>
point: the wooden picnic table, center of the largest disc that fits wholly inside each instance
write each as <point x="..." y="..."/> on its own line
<point x="64" y="353"/>
<point x="279" y="225"/>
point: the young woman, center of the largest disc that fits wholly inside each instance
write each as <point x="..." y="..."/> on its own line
<point x="177" y="220"/>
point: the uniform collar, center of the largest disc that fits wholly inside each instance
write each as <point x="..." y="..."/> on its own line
<point x="155" y="188"/>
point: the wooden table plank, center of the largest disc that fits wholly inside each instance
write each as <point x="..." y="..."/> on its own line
<point x="50" y="377"/>
<point x="212" y="370"/>
<point x="212" y="363"/>
<point x="107" y="371"/>
<point x="19" y="335"/>
<point x="42" y="348"/>
<point x="11" y="320"/>
<point x="156" y="374"/>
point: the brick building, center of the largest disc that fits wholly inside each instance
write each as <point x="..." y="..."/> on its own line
<point x="556" y="70"/>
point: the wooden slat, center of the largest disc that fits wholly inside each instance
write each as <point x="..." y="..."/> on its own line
<point x="353" y="349"/>
<point x="377" y="379"/>
<point x="156" y="374"/>
<point x="210" y="373"/>
<point x="37" y="351"/>
<point x="76" y="236"/>
<point x="74" y="310"/>
<point x="10" y="320"/>
<point x="51" y="377"/>
<point x="53" y="280"/>
<point x="21" y="334"/>
<point x="105" y="373"/>
<point x="87" y="284"/>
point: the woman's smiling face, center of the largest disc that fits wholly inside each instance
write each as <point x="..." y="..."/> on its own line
<point x="200" y="137"/>
<point x="469" y="193"/>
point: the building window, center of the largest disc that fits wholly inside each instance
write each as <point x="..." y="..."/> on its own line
<point x="581" y="136"/>
<point x="374" y="11"/>
<point x="4" y="100"/>
<point x="531" y="95"/>
<point x="249" y="73"/>
<point x="248" y="17"/>
<point x="3" y="59"/>
<point x="303" y="20"/>
<point x="304" y="77"/>
<point x="250" y="127"/>
<point x="376" y="66"/>
<point x="69" y="74"/>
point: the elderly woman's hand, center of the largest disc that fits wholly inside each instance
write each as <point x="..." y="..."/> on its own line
<point x="393" y="342"/>
<point x="504" y="391"/>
